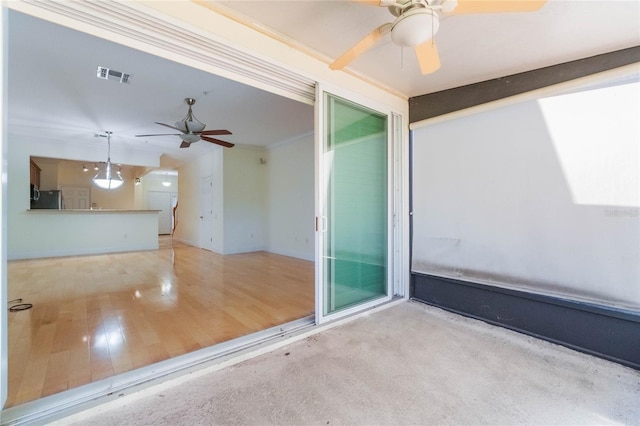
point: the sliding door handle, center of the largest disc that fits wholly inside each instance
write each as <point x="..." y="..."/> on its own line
<point x="322" y="226"/>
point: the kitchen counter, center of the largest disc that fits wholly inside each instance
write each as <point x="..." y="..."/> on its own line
<point x="54" y="233"/>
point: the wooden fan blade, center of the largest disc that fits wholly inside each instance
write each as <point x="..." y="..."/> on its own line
<point x="169" y="126"/>
<point x="428" y="57"/>
<point x="369" y="2"/>
<point x="185" y="144"/>
<point x="360" y="47"/>
<point x="214" y="132"/>
<point x="159" y="134"/>
<point x="497" y="6"/>
<point x="217" y="141"/>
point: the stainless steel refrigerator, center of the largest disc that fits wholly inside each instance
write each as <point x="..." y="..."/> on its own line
<point x="47" y="200"/>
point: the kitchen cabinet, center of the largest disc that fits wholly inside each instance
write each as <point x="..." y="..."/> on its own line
<point x="35" y="174"/>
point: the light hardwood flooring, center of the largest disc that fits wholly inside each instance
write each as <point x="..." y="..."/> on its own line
<point x="97" y="316"/>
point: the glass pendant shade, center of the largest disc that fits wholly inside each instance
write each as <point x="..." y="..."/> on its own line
<point x="106" y="179"/>
<point x="415" y="27"/>
<point x="189" y="138"/>
<point x="190" y="124"/>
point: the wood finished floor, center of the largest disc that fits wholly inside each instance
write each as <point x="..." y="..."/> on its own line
<point x="97" y="316"/>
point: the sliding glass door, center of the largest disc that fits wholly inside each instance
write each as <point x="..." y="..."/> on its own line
<point x="353" y="223"/>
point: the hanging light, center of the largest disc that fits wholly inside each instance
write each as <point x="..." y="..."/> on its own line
<point x="190" y="124"/>
<point x="85" y="168"/>
<point x="105" y="178"/>
<point x="166" y="182"/>
<point x="95" y="167"/>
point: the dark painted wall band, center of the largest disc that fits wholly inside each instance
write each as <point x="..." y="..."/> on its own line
<point x="612" y="334"/>
<point x="439" y="103"/>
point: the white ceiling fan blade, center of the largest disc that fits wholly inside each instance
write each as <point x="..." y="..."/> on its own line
<point x="428" y="57"/>
<point x="497" y="6"/>
<point x="360" y="47"/>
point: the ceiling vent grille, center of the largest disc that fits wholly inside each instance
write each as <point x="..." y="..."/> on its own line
<point x="109" y="74"/>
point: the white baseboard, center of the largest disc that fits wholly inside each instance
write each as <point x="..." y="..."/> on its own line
<point x="291" y="253"/>
<point x="39" y="254"/>
<point x="239" y="250"/>
<point x="187" y="242"/>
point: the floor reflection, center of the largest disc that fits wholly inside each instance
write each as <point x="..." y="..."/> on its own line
<point x="96" y="316"/>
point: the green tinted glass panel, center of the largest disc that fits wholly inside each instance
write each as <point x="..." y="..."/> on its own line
<point x="355" y="205"/>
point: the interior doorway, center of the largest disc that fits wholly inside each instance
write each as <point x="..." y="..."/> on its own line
<point x="75" y="198"/>
<point x="162" y="201"/>
<point x="206" y="213"/>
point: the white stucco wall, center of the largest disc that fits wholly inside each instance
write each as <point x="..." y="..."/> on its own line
<point x="257" y="205"/>
<point x="290" y="202"/>
<point x="245" y="198"/>
<point x="540" y="195"/>
<point x="188" y="227"/>
<point x="153" y="182"/>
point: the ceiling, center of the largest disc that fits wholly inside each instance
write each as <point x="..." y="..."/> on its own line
<point x="54" y="94"/>
<point x="472" y="48"/>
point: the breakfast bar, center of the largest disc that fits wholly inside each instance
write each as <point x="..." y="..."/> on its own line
<point x="53" y="232"/>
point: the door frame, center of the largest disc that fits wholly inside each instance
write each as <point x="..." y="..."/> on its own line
<point x="395" y="204"/>
<point x="206" y="190"/>
<point x="73" y="187"/>
<point x="168" y="196"/>
<point x="227" y="52"/>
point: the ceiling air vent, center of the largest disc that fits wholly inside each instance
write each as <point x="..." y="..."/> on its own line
<point x="109" y="74"/>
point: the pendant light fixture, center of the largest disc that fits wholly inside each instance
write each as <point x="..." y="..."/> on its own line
<point x="106" y="178"/>
<point x="166" y="182"/>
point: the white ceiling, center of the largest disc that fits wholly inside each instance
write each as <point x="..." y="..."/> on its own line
<point x="473" y="48"/>
<point x="54" y="94"/>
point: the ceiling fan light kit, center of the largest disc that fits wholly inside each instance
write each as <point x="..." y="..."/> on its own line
<point x="417" y="22"/>
<point x="192" y="130"/>
<point x="190" y="124"/>
<point x="415" y="27"/>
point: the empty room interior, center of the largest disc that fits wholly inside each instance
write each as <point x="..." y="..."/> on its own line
<point x="189" y="181"/>
<point x="102" y="312"/>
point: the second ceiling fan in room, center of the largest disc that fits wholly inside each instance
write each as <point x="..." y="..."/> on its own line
<point x="417" y="22"/>
<point x="192" y="130"/>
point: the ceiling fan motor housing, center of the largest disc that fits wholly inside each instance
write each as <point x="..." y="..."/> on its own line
<point x="190" y="126"/>
<point x="415" y="26"/>
<point x="190" y="138"/>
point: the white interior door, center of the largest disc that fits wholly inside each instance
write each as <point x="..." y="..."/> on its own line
<point x="158" y="200"/>
<point x="206" y="213"/>
<point x="75" y="197"/>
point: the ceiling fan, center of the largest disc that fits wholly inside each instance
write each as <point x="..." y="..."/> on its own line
<point x="192" y="130"/>
<point x="417" y="22"/>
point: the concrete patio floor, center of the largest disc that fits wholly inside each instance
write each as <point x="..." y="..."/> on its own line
<point x="410" y="364"/>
